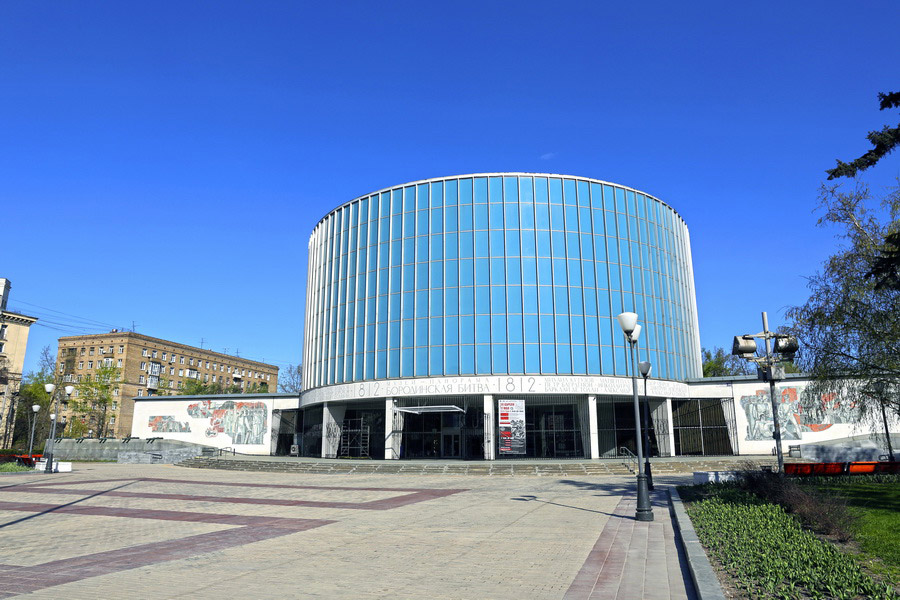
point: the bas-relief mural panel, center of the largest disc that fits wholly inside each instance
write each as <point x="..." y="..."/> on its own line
<point x="246" y="423"/>
<point x="756" y="424"/>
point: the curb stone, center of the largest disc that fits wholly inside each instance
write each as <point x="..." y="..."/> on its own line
<point x="706" y="583"/>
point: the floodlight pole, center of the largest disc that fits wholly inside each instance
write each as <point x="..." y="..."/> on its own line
<point x="770" y="369"/>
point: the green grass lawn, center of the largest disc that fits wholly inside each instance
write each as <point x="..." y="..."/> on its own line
<point x="11" y="467"/>
<point x="876" y="529"/>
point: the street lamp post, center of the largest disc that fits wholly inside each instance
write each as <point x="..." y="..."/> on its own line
<point x="785" y="348"/>
<point x="645" y="368"/>
<point x="35" y="408"/>
<point x="631" y="329"/>
<point x="52" y="441"/>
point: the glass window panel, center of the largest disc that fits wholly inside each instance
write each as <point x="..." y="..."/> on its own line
<point x="407" y="332"/>
<point x="451" y="330"/>
<point x="564" y="359"/>
<point x="512" y="243"/>
<point x="498" y="328"/>
<point x="532" y="332"/>
<point x="542" y="216"/>
<point x="573" y="245"/>
<point x="561" y="297"/>
<point x="548" y="331"/>
<point x="530" y="299"/>
<point x="545" y="293"/>
<point x="451" y="301"/>
<point x="437" y="247"/>
<point x="499" y="355"/>
<point x="422" y="222"/>
<point x="482" y="271"/>
<point x="555" y="187"/>
<point x="467" y="329"/>
<point x="482" y="245"/>
<point x="532" y="358"/>
<point x="422" y="276"/>
<point x="613" y="251"/>
<point x="421" y="362"/>
<point x="498" y="299"/>
<point x="562" y="329"/>
<point x="616" y="301"/>
<point x="466" y="217"/>
<point x="409" y="250"/>
<point x="395" y="307"/>
<point x="421" y="332"/>
<point x="496" y="215"/>
<point x="620" y="360"/>
<point x="513" y="327"/>
<point x="593" y="360"/>
<point x="482" y="300"/>
<point x="528" y="244"/>
<point x="577" y="323"/>
<point x="480" y="190"/>
<point x="543" y="243"/>
<point x="629" y="197"/>
<point x="558" y="243"/>
<point x="548" y="359"/>
<point x="437" y="220"/>
<point x="529" y="271"/>
<point x="466" y="360"/>
<point x="422" y="303"/>
<point x="511" y="216"/>
<point x="436" y="356"/>
<point x="557" y="219"/>
<point x="540" y="190"/>
<point x="437" y="192"/>
<point x="437" y="302"/>
<point x="384" y="204"/>
<point x="560" y="274"/>
<point x="451" y="218"/>
<point x="569" y="191"/>
<point x="579" y="364"/>
<point x="451" y="361"/>
<point x="467" y="301"/>
<point x="409" y="198"/>
<point x="436" y="331"/>
<point x="466" y="244"/>
<point x="497" y="242"/>
<point x="592" y="335"/>
<point x="450" y="193"/>
<point x="516" y="362"/>
<point x="495" y="193"/>
<point x="575" y="301"/>
<point x="483" y="358"/>
<point x="606" y="360"/>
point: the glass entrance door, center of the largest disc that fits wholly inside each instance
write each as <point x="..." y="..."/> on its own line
<point x="450" y="443"/>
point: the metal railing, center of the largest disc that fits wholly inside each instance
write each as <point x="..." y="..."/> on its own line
<point x="631" y="456"/>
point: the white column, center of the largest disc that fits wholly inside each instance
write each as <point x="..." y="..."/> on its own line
<point x="671" y="427"/>
<point x="489" y="427"/>
<point x="393" y="425"/>
<point x="592" y="427"/>
<point x="332" y="419"/>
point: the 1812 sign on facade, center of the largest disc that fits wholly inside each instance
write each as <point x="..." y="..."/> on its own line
<point x="511" y="422"/>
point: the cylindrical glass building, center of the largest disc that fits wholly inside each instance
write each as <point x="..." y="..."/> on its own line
<point x="515" y="275"/>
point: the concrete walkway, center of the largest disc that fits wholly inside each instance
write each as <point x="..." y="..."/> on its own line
<point x="168" y="532"/>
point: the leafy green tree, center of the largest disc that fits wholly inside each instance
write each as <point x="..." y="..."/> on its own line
<point x="883" y="142"/>
<point x="849" y="328"/>
<point x="31" y="392"/>
<point x="95" y="394"/>
<point x="718" y="363"/>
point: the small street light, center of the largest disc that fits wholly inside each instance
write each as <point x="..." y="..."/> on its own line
<point x="786" y="347"/>
<point x="35" y="408"/>
<point x="52" y="441"/>
<point x="645" y="367"/>
<point x="631" y="329"/>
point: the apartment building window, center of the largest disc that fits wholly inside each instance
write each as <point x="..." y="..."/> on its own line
<point x="80" y="364"/>
<point x="182" y="360"/>
<point x="141" y="379"/>
<point x="173" y="357"/>
<point x="154" y="353"/>
<point x="110" y="350"/>
<point x="107" y="362"/>
<point x="229" y="369"/>
<point x="83" y="350"/>
<point x="181" y="372"/>
<point x="121" y="349"/>
<point x="171" y="370"/>
<point x="205" y="378"/>
<point x="3" y="329"/>
<point x="268" y="378"/>
<point x="112" y="420"/>
<point x="243" y="372"/>
<point x="119" y="363"/>
<point x="144" y="352"/>
<point x="214" y="378"/>
<point x="140" y="392"/>
<point x="115" y="393"/>
<point x="91" y="351"/>
<point x="115" y="405"/>
<point x="207" y="364"/>
<point x="143" y="366"/>
<point x="164" y="355"/>
<point x="222" y="368"/>
<point x="171" y="384"/>
<point x="90" y="364"/>
<point x="192" y="362"/>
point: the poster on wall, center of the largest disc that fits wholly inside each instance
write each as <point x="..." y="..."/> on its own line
<point x="512" y="426"/>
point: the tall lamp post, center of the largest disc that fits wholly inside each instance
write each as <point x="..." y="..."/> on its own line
<point x="645" y="368"/>
<point x="631" y="329"/>
<point x="35" y="408"/>
<point x="786" y="347"/>
<point x="52" y="441"/>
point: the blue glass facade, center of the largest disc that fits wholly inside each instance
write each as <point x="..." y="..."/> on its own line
<point x="493" y="274"/>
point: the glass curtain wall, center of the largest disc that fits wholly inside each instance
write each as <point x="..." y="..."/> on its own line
<point x="704" y="426"/>
<point x="497" y="274"/>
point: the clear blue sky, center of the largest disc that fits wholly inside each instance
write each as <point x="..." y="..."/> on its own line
<point x="163" y="163"/>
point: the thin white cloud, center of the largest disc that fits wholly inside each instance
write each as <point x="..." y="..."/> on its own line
<point x="548" y="156"/>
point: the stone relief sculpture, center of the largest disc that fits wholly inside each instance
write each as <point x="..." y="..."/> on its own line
<point x="791" y="415"/>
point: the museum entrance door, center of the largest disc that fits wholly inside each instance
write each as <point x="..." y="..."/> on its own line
<point x="450" y="442"/>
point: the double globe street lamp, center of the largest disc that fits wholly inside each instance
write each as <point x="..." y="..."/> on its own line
<point x="35" y="408"/>
<point x="50" y="388"/>
<point x="632" y="330"/>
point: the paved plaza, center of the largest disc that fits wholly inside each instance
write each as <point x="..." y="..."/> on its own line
<point x="160" y="531"/>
